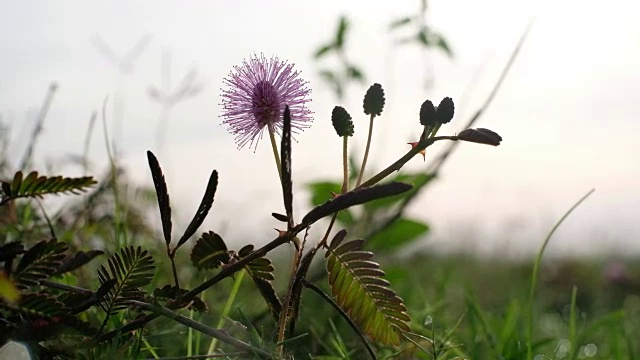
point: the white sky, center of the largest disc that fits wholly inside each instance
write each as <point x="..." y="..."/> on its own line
<point x="568" y="111"/>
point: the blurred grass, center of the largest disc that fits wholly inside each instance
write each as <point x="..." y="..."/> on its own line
<point x="491" y="295"/>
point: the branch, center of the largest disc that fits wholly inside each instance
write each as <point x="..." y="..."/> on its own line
<point x="218" y="334"/>
<point x="422" y="144"/>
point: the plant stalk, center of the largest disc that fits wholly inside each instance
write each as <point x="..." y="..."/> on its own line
<point x="366" y="151"/>
<point x="345" y="165"/>
<point x="274" y="147"/>
<point x="422" y="144"/>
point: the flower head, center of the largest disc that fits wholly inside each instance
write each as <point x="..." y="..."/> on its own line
<point x="374" y="100"/>
<point x="256" y="94"/>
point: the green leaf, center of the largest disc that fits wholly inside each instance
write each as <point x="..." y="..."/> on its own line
<point x="423" y="37"/>
<point x="252" y="332"/>
<point x="132" y="269"/>
<point x="355" y="73"/>
<point x="209" y="252"/>
<point x="343" y="25"/>
<point x="321" y="191"/>
<point x="400" y="233"/>
<point x="322" y="51"/>
<point x="442" y="44"/>
<point x="40" y="262"/>
<point x="36" y="186"/>
<point x="261" y="271"/>
<point x="359" y="288"/>
<point x="399" y="22"/>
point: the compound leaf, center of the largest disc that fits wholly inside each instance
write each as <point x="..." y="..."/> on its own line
<point x="359" y="288"/>
<point x="40" y="262"/>
<point x="35" y="186"/>
<point x="132" y="269"/>
<point x="261" y="271"/>
<point x="209" y="252"/>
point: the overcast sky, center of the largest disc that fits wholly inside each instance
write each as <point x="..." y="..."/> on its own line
<point x="568" y="111"/>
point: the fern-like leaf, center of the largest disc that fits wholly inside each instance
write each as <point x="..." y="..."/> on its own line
<point x="40" y="305"/>
<point x="169" y="293"/>
<point x="209" y="252"/>
<point x="132" y="269"/>
<point x="36" y="186"/>
<point x="261" y="271"/>
<point x="40" y="262"/>
<point x="359" y="288"/>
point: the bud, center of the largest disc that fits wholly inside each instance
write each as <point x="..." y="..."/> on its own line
<point x="374" y="100"/>
<point x="428" y="114"/>
<point x="342" y="121"/>
<point x="480" y="136"/>
<point x="444" y="112"/>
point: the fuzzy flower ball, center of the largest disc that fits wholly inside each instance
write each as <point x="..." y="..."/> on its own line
<point x="255" y="95"/>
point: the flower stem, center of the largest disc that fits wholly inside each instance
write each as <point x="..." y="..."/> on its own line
<point x="366" y="151"/>
<point x="434" y="131"/>
<point x="274" y="146"/>
<point x="345" y="165"/>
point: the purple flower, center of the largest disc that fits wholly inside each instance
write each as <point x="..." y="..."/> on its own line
<point x="255" y="97"/>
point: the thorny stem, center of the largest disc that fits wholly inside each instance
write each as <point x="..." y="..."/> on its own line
<point x="422" y="144"/>
<point x="286" y="306"/>
<point x="366" y="151"/>
<point x="345" y="164"/>
<point x="218" y="334"/>
<point x="274" y="146"/>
